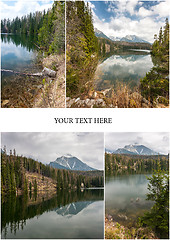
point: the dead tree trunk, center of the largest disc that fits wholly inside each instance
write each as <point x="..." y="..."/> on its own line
<point x="26" y="74"/>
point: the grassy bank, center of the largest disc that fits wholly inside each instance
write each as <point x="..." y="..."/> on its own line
<point x="113" y="230"/>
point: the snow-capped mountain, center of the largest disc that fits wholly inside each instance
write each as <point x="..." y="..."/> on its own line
<point x="114" y="38"/>
<point x="136" y="150"/>
<point x="99" y="33"/>
<point x="72" y="208"/>
<point x="70" y="162"/>
<point x="127" y="38"/>
<point x="133" y="38"/>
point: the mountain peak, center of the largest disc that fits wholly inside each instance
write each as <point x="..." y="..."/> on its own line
<point x="133" y="38"/>
<point x="99" y="33"/>
<point x="135" y="149"/>
<point x="127" y="38"/>
<point x="70" y="162"/>
<point x="67" y="155"/>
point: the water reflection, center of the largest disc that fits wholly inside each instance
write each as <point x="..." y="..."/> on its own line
<point x="73" y="208"/>
<point x="72" y="214"/>
<point x="17" y="51"/>
<point x="126" y="197"/>
<point x="19" y="40"/>
<point x="127" y="68"/>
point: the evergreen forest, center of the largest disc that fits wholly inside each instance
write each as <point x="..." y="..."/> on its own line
<point x="155" y="85"/>
<point x="47" y="27"/>
<point x="120" y="164"/>
<point x="29" y="24"/>
<point x="82" y="47"/>
<point x="14" y="169"/>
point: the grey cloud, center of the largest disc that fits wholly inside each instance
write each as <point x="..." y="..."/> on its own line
<point x="158" y="142"/>
<point x="46" y="147"/>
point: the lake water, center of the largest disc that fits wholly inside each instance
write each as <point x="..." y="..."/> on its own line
<point x="18" y="53"/>
<point x="67" y="215"/>
<point x="126" y="198"/>
<point x="124" y="67"/>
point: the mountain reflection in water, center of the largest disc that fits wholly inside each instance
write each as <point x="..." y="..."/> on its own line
<point x="73" y="208"/>
<point x="66" y="214"/>
<point x="126" y="68"/>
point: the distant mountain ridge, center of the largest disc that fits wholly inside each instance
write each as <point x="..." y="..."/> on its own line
<point x="135" y="150"/>
<point x="99" y="33"/>
<point x="127" y="38"/>
<point x="114" y="38"/>
<point x="70" y="162"/>
<point x="133" y="38"/>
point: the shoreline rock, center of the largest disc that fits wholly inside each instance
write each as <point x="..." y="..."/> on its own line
<point x="109" y="99"/>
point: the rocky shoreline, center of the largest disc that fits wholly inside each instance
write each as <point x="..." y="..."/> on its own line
<point x="109" y="98"/>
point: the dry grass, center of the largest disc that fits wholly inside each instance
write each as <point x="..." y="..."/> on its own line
<point x="43" y="183"/>
<point x="114" y="230"/>
<point x="123" y="97"/>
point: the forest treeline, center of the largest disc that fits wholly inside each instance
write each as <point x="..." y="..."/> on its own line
<point x="29" y="24"/>
<point x="51" y="36"/>
<point x="14" y="168"/>
<point x="46" y="28"/>
<point x="109" y="47"/>
<point x="120" y="163"/>
<point x="155" y="85"/>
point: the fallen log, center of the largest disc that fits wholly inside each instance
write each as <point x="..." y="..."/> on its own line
<point x="27" y="74"/>
<point x="45" y="72"/>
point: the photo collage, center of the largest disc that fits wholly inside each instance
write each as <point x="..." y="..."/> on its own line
<point x="84" y="119"/>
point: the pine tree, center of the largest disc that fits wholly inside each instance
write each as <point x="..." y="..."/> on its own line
<point x="35" y="186"/>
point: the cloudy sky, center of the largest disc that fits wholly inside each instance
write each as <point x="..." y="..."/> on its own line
<point x="158" y="142"/>
<point x="12" y="9"/>
<point x="46" y="147"/>
<point x="121" y="18"/>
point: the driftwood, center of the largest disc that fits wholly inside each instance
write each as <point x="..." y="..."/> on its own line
<point x="27" y="74"/>
<point x="45" y="72"/>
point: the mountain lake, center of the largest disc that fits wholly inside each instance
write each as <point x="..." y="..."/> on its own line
<point x="126" y="67"/>
<point x="125" y="198"/>
<point x="62" y="215"/>
<point x="19" y="54"/>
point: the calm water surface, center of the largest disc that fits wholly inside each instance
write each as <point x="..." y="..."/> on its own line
<point x="65" y="215"/>
<point x="18" y="53"/>
<point x="124" y="67"/>
<point x="126" y="198"/>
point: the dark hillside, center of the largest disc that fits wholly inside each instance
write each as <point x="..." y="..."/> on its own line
<point x="21" y="174"/>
